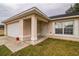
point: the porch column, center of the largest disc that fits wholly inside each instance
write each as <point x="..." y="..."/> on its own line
<point x="21" y="29"/>
<point x="33" y="28"/>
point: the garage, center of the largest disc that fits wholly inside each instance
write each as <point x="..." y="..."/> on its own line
<point x="13" y="29"/>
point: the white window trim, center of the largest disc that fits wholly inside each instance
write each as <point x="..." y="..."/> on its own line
<point x="63" y="29"/>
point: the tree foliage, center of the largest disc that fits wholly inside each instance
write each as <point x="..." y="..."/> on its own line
<point x="73" y="9"/>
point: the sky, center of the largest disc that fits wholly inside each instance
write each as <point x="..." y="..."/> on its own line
<point x="50" y="9"/>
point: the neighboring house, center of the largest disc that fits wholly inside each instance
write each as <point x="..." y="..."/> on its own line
<point x="33" y="24"/>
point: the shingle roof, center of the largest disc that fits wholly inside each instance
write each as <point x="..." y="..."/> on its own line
<point x="64" y="15"/>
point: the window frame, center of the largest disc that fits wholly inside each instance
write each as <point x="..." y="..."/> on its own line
<point x="60" y="27"/>
<point x="63" y="26"/>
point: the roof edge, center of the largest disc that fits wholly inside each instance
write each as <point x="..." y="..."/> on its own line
<point x="26" y="11"/>
<point x="65" y="17"/>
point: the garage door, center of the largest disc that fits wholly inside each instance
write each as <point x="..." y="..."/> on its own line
<point x="13" y="29"/>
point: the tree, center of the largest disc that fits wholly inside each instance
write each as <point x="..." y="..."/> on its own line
<point x="73" y="9"/>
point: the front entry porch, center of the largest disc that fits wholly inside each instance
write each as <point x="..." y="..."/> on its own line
<point x="33" y="29"/>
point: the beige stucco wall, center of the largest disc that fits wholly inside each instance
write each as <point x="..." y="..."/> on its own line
<point x="27" y="27"/>
<point x="74" y="37"/>
<point x="39" y="27"/>
<point x="61" y="37"/>
<point x="50" y="28"/>
<point x="44" y="28"/>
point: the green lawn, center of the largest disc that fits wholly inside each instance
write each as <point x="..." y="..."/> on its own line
<point x="49" y="47"/>
<point x="4" y="51"/>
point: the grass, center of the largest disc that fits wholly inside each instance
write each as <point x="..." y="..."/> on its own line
<point x="4" y="51"/>
<point x="49" y="47"/>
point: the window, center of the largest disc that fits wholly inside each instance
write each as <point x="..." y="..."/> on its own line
<point x="64" y="27"/>
<point x="58" y="28"/>
<point x="68" y="27"/>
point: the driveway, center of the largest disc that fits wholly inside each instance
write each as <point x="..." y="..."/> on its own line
<point x="12" y="44"/>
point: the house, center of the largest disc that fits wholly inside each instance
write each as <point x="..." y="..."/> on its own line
<point x="32" y="25"/>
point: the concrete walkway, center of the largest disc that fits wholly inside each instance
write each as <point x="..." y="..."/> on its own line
<point x="12" y="44"/>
